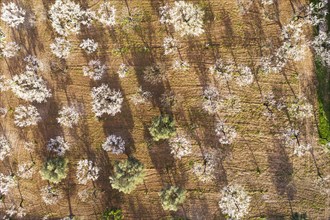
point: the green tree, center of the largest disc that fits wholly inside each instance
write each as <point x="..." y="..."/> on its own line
<point x="127" y="175"/>
<point x="162" y="127"/>
<point x="54" y="169"/>
<point x="172" y="197"/>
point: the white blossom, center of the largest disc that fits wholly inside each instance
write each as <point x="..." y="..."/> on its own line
<point x="86" y="170"/>
<point x="10" y="50"/>
<point x="180" y="146"/>
<point x="170" y="45"/>
<point x="226" y="133"/>
<point x="26" y="116"/>
<point x="212" y="101"/>
<point x="300" y="108"/>
<point x="30" y="87"/>
<point x="58" y="145"/>
<point x="89" y="45"/>
<point x="6" y="183"/>
<point x="4" y="85"/>
<point x="50" y="195"/>
<point x="5" y="147"/>
<point x="12" y="14"/>
<point x="140" y="97"/>
<point x="181" y="65"/>
<point x="290" y="137"/>
<point x="114" y="144"/>
<point x="302" y="149"/>
<point x="246" y="77"/>
<point x="205" y="170"/>
<point x="19" y="211"/>
<point x="61" y="48"/>
<point x="106" y="14"/>
<point x="66" y="17"/>
<point x="123" y="70"/>
<point x="26" y="170"/>
<point x="106" y="101"/>
<point x="222" y="70"/>
<point x="95" y="70"/>
<point x="235" y="202"/>
<point x="321" y="44"/>
<point x="267" y="2"/>
<point x="186" y="18"/>
<point x="32" y="63"/>
<point x="68" y="116"/>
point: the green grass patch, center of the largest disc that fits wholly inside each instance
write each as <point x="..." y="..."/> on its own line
<point x="323" y="101"/>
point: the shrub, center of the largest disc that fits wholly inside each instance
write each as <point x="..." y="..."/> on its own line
<point x="298" y="216"/>
<point x="54" y="169"/>
<point x="162" y="127"/>
<point x="172" y="197"/>
<point x="127" y="175"/>
<point x="112" y="214"/>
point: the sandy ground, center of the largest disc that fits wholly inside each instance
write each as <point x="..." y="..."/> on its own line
<point x="283" y="184"/>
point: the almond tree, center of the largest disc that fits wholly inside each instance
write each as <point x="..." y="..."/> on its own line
<point x="61" y="48"/>
<point x="114" y="144"/>
<point x="234" y="202"/>
<point x="106" y="101"/>
<point x="95" y="70"/>
<point x="30" y="87"/>
<point x="6" y="183"/>
<point x="89" y="45"/>
<point x="66" y="17"/>
<point x="12" y="14"/>
<point x="86" y="170"/>
<point x="68" y="116"/>
<point x="186" y="18"/>
<point x="180" y="146"/>
<point x="26" y="116"/>
<point x="205" y="170"/>
<point x="58" y="145"/>
<point x="5" y="147"/>
<point x="226" y="133"/>
<point x="106" y="14"/>
<point x="9" y="50"/>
